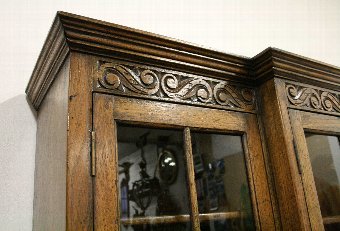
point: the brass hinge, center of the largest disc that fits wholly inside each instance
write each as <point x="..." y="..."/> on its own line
<point x="93" y="153"/>
<point x="297" y="158"/>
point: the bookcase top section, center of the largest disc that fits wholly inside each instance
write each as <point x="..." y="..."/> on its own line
<point x="73" y="33"/>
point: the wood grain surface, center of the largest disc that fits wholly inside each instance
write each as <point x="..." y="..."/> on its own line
<point x="314" y="211"/>
<point x="106" y="207"/>
<point x="322" y="124"/>
<point x="49" y="207"/>
<point x="177" y="115"/>
<point x="79" y="182"/>
<point x="258" y="174"/>
<point x="143" y="112"/>
<point x="65" y="79"/>
<point x="195" y="221"/>
<point x="319" y="124"/>
<point x="181" y="218"/>
<point x="279" y="139"/>
<point x="70" y="32"/>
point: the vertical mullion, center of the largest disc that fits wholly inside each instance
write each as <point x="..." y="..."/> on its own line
<point x="191" y="180"/>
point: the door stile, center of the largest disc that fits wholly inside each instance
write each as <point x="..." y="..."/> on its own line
<point x="105" y="182"/>
<point x="321" y="124"/>
<point x="250" y="177"/>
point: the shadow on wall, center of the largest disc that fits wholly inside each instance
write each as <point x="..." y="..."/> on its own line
<point x="17" y="150"/>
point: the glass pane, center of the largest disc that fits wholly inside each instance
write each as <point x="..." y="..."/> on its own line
<point x="324" y="153"/>
<point x="152" y="179"/>
<point x="221" y="181"/>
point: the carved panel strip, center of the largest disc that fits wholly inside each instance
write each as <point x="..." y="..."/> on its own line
<point x="312" y="98"/>
<point x="166" y="85"/>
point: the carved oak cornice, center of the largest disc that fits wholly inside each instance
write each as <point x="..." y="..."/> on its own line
<point x="165" y="85"/>
<point x="73" y="33"/>
<point x="306" y="97"/>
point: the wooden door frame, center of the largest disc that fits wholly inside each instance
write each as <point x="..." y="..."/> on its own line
<point x="108" y="109"/>
<point x="302" y="121"/>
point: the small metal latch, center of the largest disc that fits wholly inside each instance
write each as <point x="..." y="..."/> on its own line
<point x="93" y="153"/>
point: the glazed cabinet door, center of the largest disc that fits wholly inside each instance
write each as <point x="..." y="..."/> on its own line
<point x="167" y="166"/>
<point x="316" y="139"/>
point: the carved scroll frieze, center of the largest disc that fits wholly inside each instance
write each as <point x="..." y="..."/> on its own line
<point x="312" y="98"/>
<point x="160" y="84"/>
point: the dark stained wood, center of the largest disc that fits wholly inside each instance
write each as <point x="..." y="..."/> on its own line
<point x="320" y="123"/>
<point x="49" y="211"/>
<point x="258" y="174"/>
<point x="269" y="170"/>
<point x="152" y="112"/>
<point x="290" y="194"/>
<point x="306" y="121"/>
<point x="248" y="152"/>
<point x="71" y="32"/>
<point x="273" y="62"/>
<point x="51" y="58"/>
<point x="156" y="220"/>
<point x="106" y="205"/>
<point x="306" y="171"/>
<point x="98" y="37"/>
<point x="61" y="88"/>
<point x="142" y="81"/>
<point x="331" y="220"/>
<point x="195" y="222"/>
<point x="220" y="216"/>
<point x="312" y="98"/>
<point x="143" y="37"/>
<point x="79" y="183"/>
<point x="137" y="111"/>
<point x="181" y="218"/>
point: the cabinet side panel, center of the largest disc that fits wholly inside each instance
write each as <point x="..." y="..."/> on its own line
<point x="50" y="167"/>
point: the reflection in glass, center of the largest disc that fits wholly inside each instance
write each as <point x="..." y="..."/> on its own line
<point x="221" y="182"/>
<point x="152" y="179"/>
<point x="324" y="154"/>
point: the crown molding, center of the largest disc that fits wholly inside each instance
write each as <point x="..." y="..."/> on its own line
<point x="71" y="32"/>
<point x="273" y="62"/>
<point x="108" y="39"/>
<point x="51" y="58"/>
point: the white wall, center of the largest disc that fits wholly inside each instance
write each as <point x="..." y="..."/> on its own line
<point x="17" y="147"/>
<point x="244" y="27"/>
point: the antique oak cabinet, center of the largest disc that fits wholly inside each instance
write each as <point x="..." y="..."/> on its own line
<point x="138" y="131"/>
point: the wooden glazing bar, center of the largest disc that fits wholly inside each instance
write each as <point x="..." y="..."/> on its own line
<point x="220" y="216"/>
<point x="156" y="220"/>
<point x="191" y="180"/>
<point x="331" y="219"/>
<point x="181" y="218"/>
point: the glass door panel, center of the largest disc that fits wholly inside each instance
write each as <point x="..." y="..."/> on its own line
<point x="152" y="179"/>
<point x="145" y="179"/>
<point x="223" y="196"/>
<point x="324" y="154"/>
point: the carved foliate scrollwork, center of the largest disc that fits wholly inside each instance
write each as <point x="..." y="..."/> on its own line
<point x="195" y="89"/>
<point x="119" y="77"/>
<point x="173" y="86"/>
<point x="308" y="97"/>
